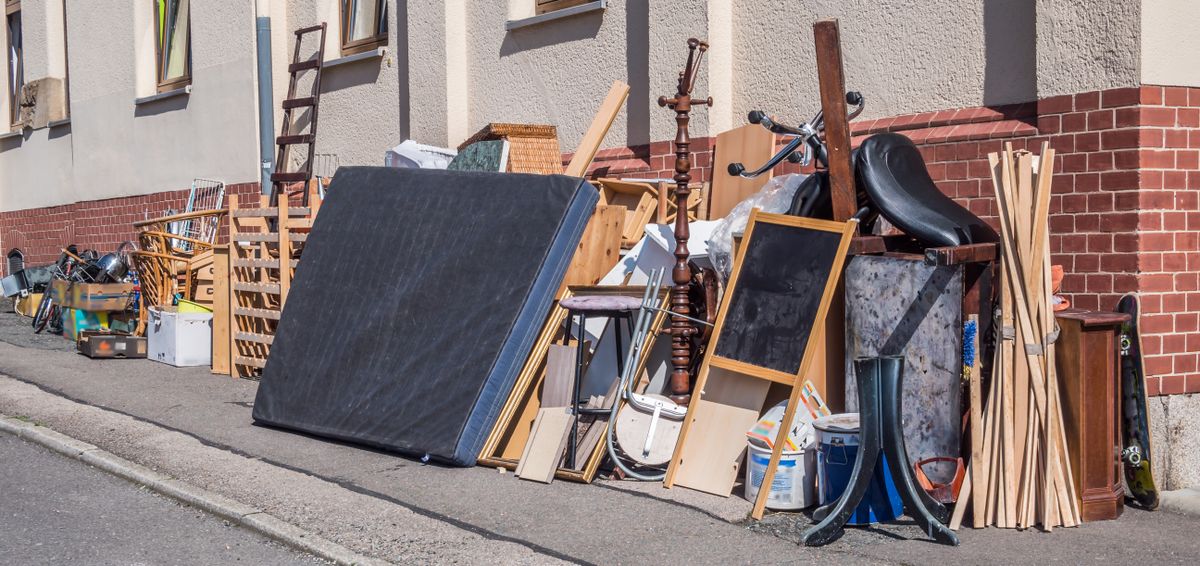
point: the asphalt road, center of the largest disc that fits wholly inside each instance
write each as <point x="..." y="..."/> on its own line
<point x="54" y="510"/>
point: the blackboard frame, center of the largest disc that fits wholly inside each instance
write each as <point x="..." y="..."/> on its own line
<point x="846" y="230"/>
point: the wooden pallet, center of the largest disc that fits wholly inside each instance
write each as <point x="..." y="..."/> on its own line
<point x="264" y="250"/>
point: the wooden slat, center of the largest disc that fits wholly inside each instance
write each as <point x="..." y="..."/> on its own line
<point x="309" y="29"/>
<point x="595" y="134"/>
<point x="302" y="102"/>
<point x="272" y="288"/>
<point x="252" y="362"/>
<point x="291" y="176"/>
<point x="303" y="66"/>
<point x="270" y="211"/>
<point x="254" y="337"/>
<point x="263" y="263"/>
<point x="294" y="139"/>
<point x="257" y="313"/>
<point x="751" y="145"/>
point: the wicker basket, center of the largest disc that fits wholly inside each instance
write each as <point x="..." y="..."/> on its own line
<point x="531" y="148"/>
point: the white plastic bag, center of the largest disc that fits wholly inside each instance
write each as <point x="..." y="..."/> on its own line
<point x="775" y="196"/>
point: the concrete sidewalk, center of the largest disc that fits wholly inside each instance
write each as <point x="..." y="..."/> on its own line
<point x="196" y="427"/>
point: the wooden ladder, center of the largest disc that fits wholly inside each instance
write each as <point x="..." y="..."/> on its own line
<point x="289" y="135"/>
<point x="264" y="250"/>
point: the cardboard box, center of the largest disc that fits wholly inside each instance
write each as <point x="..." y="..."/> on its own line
<point x="27" y="306"/>
<point x="75" y="321"/>
<point x="179" y="339"/>
<point x="102" y="344"/>
<point x="60" y="291"/>
<point x="98" y="297"/>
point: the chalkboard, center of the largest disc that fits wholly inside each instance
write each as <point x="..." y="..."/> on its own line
<point x="776" y="295"/>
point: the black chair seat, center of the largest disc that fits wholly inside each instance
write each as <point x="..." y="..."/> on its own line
<point x="892" y="172"/>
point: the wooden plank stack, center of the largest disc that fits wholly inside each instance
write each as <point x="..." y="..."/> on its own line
<point x="1020" y="473"/>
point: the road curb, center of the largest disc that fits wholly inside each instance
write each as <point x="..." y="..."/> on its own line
<point x="251" y="518"/>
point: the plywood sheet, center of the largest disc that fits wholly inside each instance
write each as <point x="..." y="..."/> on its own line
<point x="751" y="145"/>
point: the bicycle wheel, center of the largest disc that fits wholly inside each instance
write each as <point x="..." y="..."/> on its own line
<point x="45" y="312"/>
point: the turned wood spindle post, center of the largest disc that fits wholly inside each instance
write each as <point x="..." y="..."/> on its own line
<point x="682" y="329"/>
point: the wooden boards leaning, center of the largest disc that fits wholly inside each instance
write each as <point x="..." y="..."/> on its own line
<point x="505" y="445"/>
<point x="640" y="201"/>
<point x="750" y="145"/>
<point x="787" y="266"/>
<point x="1021" y="475"/>
<point x="594" y="136"/>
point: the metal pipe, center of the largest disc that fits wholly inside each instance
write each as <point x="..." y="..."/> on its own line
<point x="266" y="105"/>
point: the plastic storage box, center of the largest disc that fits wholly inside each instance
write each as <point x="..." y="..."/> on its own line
<point x="179" y="339"/>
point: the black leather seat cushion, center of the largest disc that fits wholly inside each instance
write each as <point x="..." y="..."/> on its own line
<point x="892" y="172"/>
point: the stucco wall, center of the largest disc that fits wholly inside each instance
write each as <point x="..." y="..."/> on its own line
<point x="1085" y="46"/>
<point x="1171" y="42"/>
<point x="360" y="103"/>
<point x="904" y="56"/>
<point x="113" y="147"/>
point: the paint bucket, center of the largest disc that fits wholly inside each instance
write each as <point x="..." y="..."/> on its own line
<point x="837" y="450"/>
<point x="792" y="487"/>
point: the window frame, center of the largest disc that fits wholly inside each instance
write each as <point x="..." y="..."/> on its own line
<point x="184" y="80"/>
<point x="352" y="47"/>
<point x="14" y="112"/>
<point x="548" y="6"/>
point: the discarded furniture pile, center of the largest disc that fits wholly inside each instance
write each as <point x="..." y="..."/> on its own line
<point x="853" y="324"/>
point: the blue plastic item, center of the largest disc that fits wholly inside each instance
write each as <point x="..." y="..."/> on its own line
<point x="837" y="450"/>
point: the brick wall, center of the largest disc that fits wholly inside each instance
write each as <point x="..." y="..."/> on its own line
<point x="98" y="224"/>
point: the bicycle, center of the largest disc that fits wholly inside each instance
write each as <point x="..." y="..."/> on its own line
<point x="69" y="267"/>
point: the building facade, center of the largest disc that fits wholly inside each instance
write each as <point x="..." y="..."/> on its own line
<point x="156" y="93"/>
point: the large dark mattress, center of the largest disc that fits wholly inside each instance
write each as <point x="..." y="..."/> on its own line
<point x="420" y="295"/>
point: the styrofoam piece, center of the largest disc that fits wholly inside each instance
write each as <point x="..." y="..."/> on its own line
<point x="414" y="155"/>
<point x="179" y="339"/>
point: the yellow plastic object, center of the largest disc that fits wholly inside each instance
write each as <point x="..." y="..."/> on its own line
<point x="188" y="306"/>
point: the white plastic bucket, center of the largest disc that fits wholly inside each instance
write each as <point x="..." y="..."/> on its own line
<point x="792" y="487"/>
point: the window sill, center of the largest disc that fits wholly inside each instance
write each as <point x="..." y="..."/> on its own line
<point x="376" y="53"/>
<point x="57" y="123"/>
<point x="163" y="95"/>
<point x="598" y="5"/>
<point x="12" y="134"/>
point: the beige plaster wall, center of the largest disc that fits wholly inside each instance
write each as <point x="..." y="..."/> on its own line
<point x="360" y="112"/>
<point x="1171" y="42"/>
<point x="905" y="56"/>
<point x="113" y="147"/>
<point x="1085" y="46"/>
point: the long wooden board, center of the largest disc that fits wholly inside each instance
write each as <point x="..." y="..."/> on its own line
<point x="594" y="136"/>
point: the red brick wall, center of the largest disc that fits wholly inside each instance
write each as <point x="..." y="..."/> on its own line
<point x="98" y="224"/>
<point x="1124" y="216"/>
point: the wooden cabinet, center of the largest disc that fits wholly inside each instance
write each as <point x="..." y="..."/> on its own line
<point x="1088" y="360"/>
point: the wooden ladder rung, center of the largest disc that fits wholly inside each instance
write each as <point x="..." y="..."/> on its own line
<point x="299" y="102"/>
<point x="270" y="211"/>
<point x="310" y="29"/>
<point x="294" y="139"/>
<point x="256" y="313"/>
<point x="271" y="288"/>
<point x="298" y="236"/>
<point x="291" y="177"/>
<point x="260" y="237"/>
<point x="254" y="337"/>
<point x="303" y="66"/>
<point x="263" y="263"/>
<point x="252" y="362"/>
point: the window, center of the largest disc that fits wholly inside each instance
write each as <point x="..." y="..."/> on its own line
<point x="14" y="55"/>
<point x="544" y="6"/>
<point x="174" y="44"/>
<point x="364" y="25"/>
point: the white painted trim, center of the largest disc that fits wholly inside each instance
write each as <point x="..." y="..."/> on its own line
<point x="13" y="134"/>
<point x="186" y="90"/>
<point x="598" y="5"/>
<point x="372" y="54"/>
